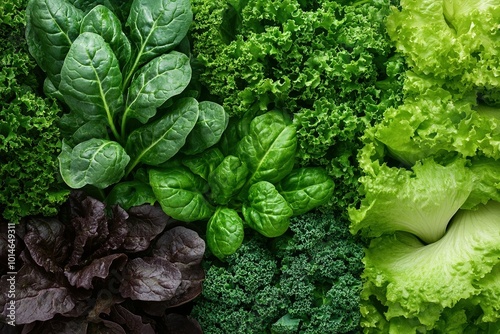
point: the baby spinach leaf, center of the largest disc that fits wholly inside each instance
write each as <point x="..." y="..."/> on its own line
<point x="306" y="188"/>
<point x="156" y="142"/>
<point x="208" y="130"/>
<point x="227" y="179"/>
<point x="102" y="21"/>
<point x="51" y="28"/>
<point x="91" y="80"/>
<point x="180" y="194"/>
<point x="160" y="79"/>
<point x="156" y="27"/>
<point x="225" y="232"/>
<point x="269" y="148"/>
<point x="267" y="211"/>
<point x="97" y="162"/>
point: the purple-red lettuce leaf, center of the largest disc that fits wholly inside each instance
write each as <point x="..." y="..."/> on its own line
<point x="184" y="248"/>
<point x="118" y="231"/>
<point x="90" y="224"/>
<point x="133" y="323"/>
<point x="150" y="279"/>
<point x="39" y="295"/>
<point x="47" y="243"/>
<point x="98" y="268"/>
<point x="145" y="223"/>
<point x="181" y="246"/>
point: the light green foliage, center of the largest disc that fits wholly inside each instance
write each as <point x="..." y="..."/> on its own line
<point x="29" y="137"/>
<point x="409" y="276"/>
<point x="431" y="177"/>
<point x="421" y="201"/>
<point x="306" y="281"/>
<point x="329" y="64"/>
<point x="452" y="40"/>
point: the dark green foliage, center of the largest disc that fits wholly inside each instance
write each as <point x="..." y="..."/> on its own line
<point x="29" y="137"/>
<point x="307" y="281"/>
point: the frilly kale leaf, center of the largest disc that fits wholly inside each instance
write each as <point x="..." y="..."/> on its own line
<point x="29" y="137"/>
<point x="306" y="281"/>
<point x="330" y="65"/>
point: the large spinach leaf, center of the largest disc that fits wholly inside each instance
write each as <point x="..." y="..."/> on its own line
<point x="102" y="21"/>
<point x="91" y="80"/>
<point x="156" y="27"/>
<point x="155" y="143"/>
<point x="51" y="28"/>
<point x="156" y="82"/>
<point x="96" y="162"/>
<point x="306" y="188"/>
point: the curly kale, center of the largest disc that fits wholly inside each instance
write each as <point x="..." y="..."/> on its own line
<point x="29" y="137"/>
<point x="330" y="64"/>
<point x="307" y="281"/>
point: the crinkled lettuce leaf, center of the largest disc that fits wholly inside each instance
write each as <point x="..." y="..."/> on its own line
<point x="451" y="39"/>
<point x="420" y="201"/>
<point x="419" y="282"/>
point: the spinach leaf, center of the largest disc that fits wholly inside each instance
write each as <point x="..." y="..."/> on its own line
<point x="156" y="82"/>
<point x="155" y="143"/>
<point x="97" y="162"/>
<point x="306" y="188"/>
<point x="267" y="211"/>
<point x="102" y="21"/>
<point x="91" y="80"/>
<point x="227" y="179"/>
<point x="156" y="27"/>
<point x="180" y="194"/>
<point x="209" y="128"/>
<point x="89" y="130"/>
<point x="51" y="28"/>
<point x="204" y="163"/>
<point x="225" y="232"/>
<point x="269" y="148"/>
<point x="130" y="194"/>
